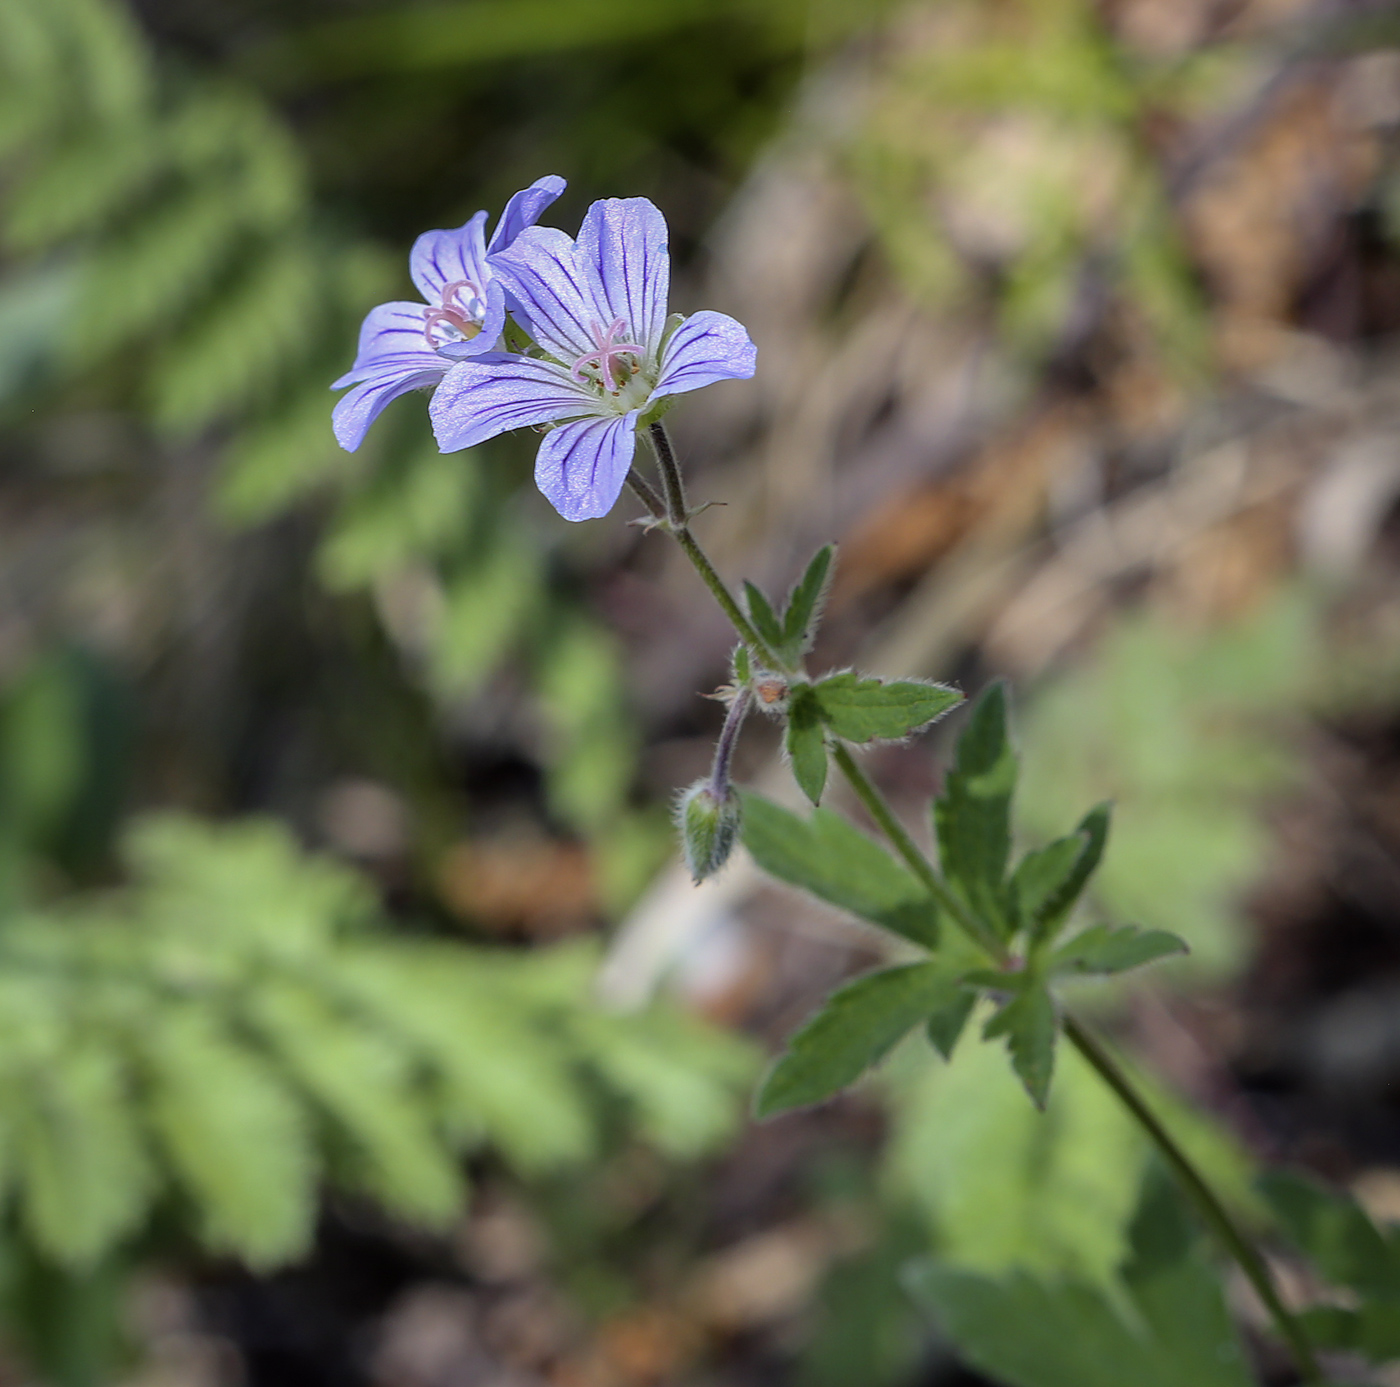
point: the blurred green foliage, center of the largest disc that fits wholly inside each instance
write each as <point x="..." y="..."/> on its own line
<point x="1185" y="731"/>
<point x="1004" y="165"/>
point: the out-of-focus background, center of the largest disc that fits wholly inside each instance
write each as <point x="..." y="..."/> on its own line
<point x="334" y="789"/>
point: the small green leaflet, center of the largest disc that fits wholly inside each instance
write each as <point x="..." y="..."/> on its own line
<point x="946" y="1023"/>
<point x="1093" y="828"/>
<point x="1114" y="949"/>
<point x="838" y="863"/>
<point x="972" y="818"/>
<point x="1029" y="1023"/>
<point x="805" y="741"/>
<point x="764" y="621"/>
<point x="868" y="710"/>
<point x="1039" y="880"/>
<point x="857" y="1028"/>
<point x="805" y="603"/>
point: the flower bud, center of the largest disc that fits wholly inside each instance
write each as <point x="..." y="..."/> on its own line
<point x="709" y="827"/>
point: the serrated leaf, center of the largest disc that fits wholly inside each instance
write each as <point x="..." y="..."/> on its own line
<point x="972" y="817"/>
<point x="868" y="710"/>
<point x="836" y="862"/>
<point x="1030" y="1025"/>
<point x="764" y="619"/>
<point x="1166" y="1326"/>
<point x="805" y="603"/>
<point x="947" y="1023"/>
<point x="1114" y="949"/>
<point x="857" y="1028"/>
<point x="805" y="742"/>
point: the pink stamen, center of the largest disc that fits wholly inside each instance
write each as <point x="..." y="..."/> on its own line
<point x="605" y="359"/>
<point x="453" y="312"/>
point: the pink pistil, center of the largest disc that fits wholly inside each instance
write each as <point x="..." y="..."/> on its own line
<point x="453" y="312"/>
<point x="606" y="359"/>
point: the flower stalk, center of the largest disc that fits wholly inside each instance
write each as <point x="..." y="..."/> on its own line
<point x="1213" y="1212"/>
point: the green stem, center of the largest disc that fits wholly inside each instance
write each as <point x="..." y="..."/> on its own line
<point x="878" y="807"/>
<point x="678" y="522"/>
<point x="672" y="483"/>
<point x="1213" y="1212"/>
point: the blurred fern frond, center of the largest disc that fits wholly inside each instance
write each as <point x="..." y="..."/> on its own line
<point x="161" y="251"/>
<point x="235" y="1026"/>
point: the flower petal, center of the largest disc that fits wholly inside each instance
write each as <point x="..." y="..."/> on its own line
<point x="439" y="258"/>
<point x="357" y="410"/>
<point x="705" y="348"/>
<point x="624" y="244"/>
<point x="487" y="395"/>
<point x="550" y="293"/>
<point x="525" y="209"/>
<point x="391" y="330"/>
<point x="581" y="466"/>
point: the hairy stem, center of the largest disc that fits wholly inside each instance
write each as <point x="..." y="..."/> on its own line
<point x="678" y="522"/>
<point x="878" y="807"/>
<point x="1208" y="1204"/>
<point x="646" y="493"/>
<point x="728" y="737"/>
<point x="672" y="483"/>
<point x="1234" y="1241"/>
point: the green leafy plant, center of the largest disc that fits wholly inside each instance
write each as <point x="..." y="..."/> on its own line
<point x="237" y="1026"/>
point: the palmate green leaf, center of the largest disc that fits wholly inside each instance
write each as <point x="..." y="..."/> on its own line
<point x="1114" y="949"/>
<point x="972" y="817"/>
<point x="804" y="740"/>
<point x="1167" y="1326"/>
<point x="837" y="862"/>
<point x="868" y="710"/>
<point x="805" y="602"/>
<point x="1343" y="1244"/>
<point x="857" y="1028"/>
<point x="1030" y="1024"/>
<point x="763" y="617"/>
<point x="1335" y="1232"/>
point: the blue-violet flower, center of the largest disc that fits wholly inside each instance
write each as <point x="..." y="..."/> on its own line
<point x="596" y="308"/>
<point x="407" y="345"/>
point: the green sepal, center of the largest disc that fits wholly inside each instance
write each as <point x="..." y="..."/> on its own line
<point x="1114" y="949"/>
<point x="859" y="1025"/>
<point x="765" y="621"/>
<point x="805" y="602"/>
<point x="741" y="664"/>
<point x="972" y="817"/>
<point x="1030" y="1024"/>
<point x="868" y="710"/>
<point x="805" y="742"/>
<point x="836" y="862"/>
